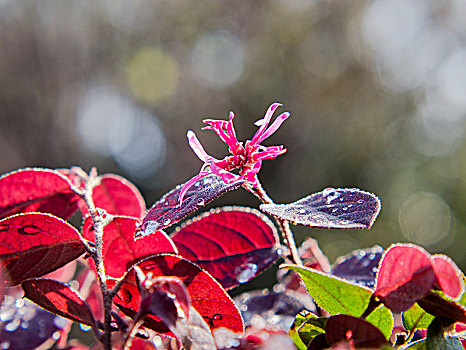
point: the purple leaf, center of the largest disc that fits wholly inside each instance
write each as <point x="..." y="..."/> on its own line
<point x="343" y="208"/>
<point x="167" y="211"/>
<point x="26" y="326"/>
<point x="360" y="266"/>
<point x="269" y="305"/>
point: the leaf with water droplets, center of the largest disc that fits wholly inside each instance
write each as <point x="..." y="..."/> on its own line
<point x="341" y="208"/>
<point x="233" y="244"/>
<point x="34" y="244"/>
<point x="167" y="211"/>
<point x="59" y="298"/>
<point x="25" y="326"/>
<point x="207" y="296"/>
<point x="35" y="189"/>
<point x="360" y="266"/>
<point x="117" y="196"/>
<point x="119" y="247"/>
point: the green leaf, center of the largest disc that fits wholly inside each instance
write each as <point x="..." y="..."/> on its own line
<point x="337" y="296"/>
<point x="415" y="317"/>
<point x="293" y="333"/>
<point x="438" y="340"/>
<point x="417" y="345"/>
<point x="309" y="327"/>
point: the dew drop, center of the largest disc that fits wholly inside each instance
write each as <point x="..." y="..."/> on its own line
<point x="350" y="205"/>
<point x="330" y="194"/>
<point x="29" y="230"/>
<point x="345" y="208"/>
<point x="13" y="325"/>
<point x="334" y="210"/>
<point x="360" y="201"/>
<point x="56" y="335"/>
<point x="302" y="211"/>
<point x="5" y="345"/>
<point x="245" y="272"/>
<point x="19" y="303"/>
<point x="167" y="222"/>
<point x="24" y="324"/>
<point x="200" y="201"/>
<point x="60" y="322"/>
<point x="84" y="328"/>
<point x="6" y="314"/>
<point x="147" y="228"/>
<point x="328" y="191"/>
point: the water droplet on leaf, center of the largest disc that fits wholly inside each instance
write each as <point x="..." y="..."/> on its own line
<point x="29" y="230"/>
<point x="167" y="222"/>
<point x="56" y="335"/>
<point x="147" y="228"/>
<point x="84" y="327"/>
<point x="200" y="201"/>
<point x="13" y="325"/>
<point x="302" y="211"/>
<point x="5" y="345"/>
<point x="245" y="272"/>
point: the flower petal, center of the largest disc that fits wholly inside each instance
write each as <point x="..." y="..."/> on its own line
<point x="197" y="147"/>
<point x="190" y="183"/>
<point x="269" y="152"/>
<point x="274" y="127"/>
<point x="266" y="121"/>
<point x="250" y="174"/>
<point x="226" y="176"/>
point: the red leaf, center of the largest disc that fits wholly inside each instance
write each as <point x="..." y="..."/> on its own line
<point x="34" y="244"/>
<point x="35" y="189"/>
<point x="435" y="305"/>
<point x="359" y="333"/>
<point x="58" y="298"/>
<point x="342" y="208"/>
<point x="117" y="196"/>
<point x="90" y="291"/>
<point x="448" y="276"/>
<point x="233" y="244"/>
<point x="161" y="295"/>
<point x="207" y="296"/>
<point x="121" y="250"/>
<point x="405" y="276"/>
<point x="167" y="210"/>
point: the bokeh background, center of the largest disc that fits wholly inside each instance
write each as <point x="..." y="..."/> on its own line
<point x="376" y="89"/>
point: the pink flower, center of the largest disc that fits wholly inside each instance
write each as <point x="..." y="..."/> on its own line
<point x="248" y="158"/>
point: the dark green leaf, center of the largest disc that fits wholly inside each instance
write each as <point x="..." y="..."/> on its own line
<point x="438" y="340"/>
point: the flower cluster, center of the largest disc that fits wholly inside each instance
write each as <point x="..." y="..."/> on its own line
<point x="247" y="158"/>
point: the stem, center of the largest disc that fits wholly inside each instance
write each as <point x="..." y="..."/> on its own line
<point x="131" y="334"/>
<point x="99" y="222"/>
<point x="283" y="225"/>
